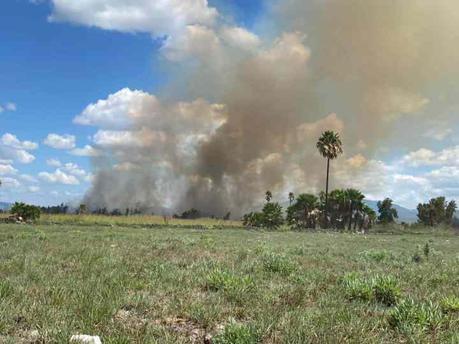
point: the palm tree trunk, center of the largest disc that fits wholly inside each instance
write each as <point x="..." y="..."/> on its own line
<point x="350" y="216"/>
<point x="326" y="193"/>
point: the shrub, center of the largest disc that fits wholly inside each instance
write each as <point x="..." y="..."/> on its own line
<point x="278" y="263"/>
<point x="450" y="304"/>
<point x="272" y="215"/>
<point x="25" y="211"/>
<point x="253" y="220"/>
<point x="236" y="334"/>
<point x="410" y="316"/>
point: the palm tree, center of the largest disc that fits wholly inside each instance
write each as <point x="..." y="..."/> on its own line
<point x="355" y="198"/>
<point x="268" y="196"/>
<point x="330" y="147"/>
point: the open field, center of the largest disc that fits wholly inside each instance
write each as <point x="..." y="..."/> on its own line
<point x="175" y="285"/>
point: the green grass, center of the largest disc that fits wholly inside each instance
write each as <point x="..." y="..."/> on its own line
<point x="139" y="284"/>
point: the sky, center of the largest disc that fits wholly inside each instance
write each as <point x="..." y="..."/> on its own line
<point x="86" y="87"/>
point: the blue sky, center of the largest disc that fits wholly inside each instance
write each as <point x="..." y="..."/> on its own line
<point x="68" y="81"/>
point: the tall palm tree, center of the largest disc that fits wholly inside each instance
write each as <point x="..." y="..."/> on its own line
<point x="330" y="147"/>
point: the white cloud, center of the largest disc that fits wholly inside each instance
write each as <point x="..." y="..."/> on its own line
<point x="60" y="141"/>
<point x="108" y="138"/>
<point x="74" y="169"/>
<point x="87" y="150"/>
<point x="33" y="188"/>
<point x="11" y="148"/>
<point x="118" y="110"/>
<point x="60" y="177"/>
<point x="12" y="141"/>
<point x="10" y="183"/>
<point x="426" y="157"/>
<point x="165" y="17"/>
<point x="7" y="169"/>
<point x="28" y="178"/>
<point x="240" y="38"/>
<point x="10" y="107"/>
<point x="53" y="163"/>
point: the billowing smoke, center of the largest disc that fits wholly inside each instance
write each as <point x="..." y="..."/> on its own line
<point x="243" y="111"/>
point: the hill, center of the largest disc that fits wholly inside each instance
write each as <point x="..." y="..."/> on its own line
<point x="404" y="214"/>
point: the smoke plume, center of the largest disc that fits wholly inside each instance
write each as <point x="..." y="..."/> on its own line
<point x="243" y="110"/>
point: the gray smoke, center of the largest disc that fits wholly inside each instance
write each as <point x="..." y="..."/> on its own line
<point x="255" y="106"/>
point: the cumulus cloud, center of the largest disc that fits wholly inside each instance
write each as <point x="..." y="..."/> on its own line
<point x="10" y="183"/>
<point x="59" y="177"/>
<point x="166" y="17"/>
<point x="60" y="141"/>
<point x="426" y="157"/>
<point x="7" y="169"/>
<point x="11" y="148"/>
<point x="87" y="151"/>
<point x="33" y="188"/>
<point x="53" y="163"/>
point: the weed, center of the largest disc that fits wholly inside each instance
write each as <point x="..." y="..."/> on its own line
<point x="278" y="264"/>
<point x="357" y="288"/>
<point x="5" y="289"/>
<point x="233" y="286"/>
<point x="410" y="316"/>
<point x="381" y="289"/>
<point x="236" y="334"/>
<point x="450" y="304"/>
<point x="386" y="290"/>
<point x="376" y="255"/>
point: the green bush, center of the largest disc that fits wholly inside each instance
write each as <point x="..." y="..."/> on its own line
<point x="236" y="334"/>
<point x="410" y="316"/>
<point x="25" y="211"/>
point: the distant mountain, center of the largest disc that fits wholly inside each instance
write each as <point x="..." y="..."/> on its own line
<point x="5" y="206"/>
<point x="404" y="214"/>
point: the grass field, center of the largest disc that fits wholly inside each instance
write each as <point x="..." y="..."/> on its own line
<point x="134" y="284"/>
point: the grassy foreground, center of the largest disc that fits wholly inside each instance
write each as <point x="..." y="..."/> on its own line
<point x="171" y="285"/>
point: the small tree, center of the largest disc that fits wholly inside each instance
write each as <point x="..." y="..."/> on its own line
<point x="436" y="212"/>
<point x="304" y="212"/>
<point x="272" y="215"/>
<point x="387" y="214"/>
<point x="25" y="211"/>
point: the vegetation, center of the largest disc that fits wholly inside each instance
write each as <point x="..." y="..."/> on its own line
<point x="25" y="212"/>
<point x="134" y="284"/>
<point x="387" y="214"/>
<point x="437" y="212"/>
<point x="330" y="147"/>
